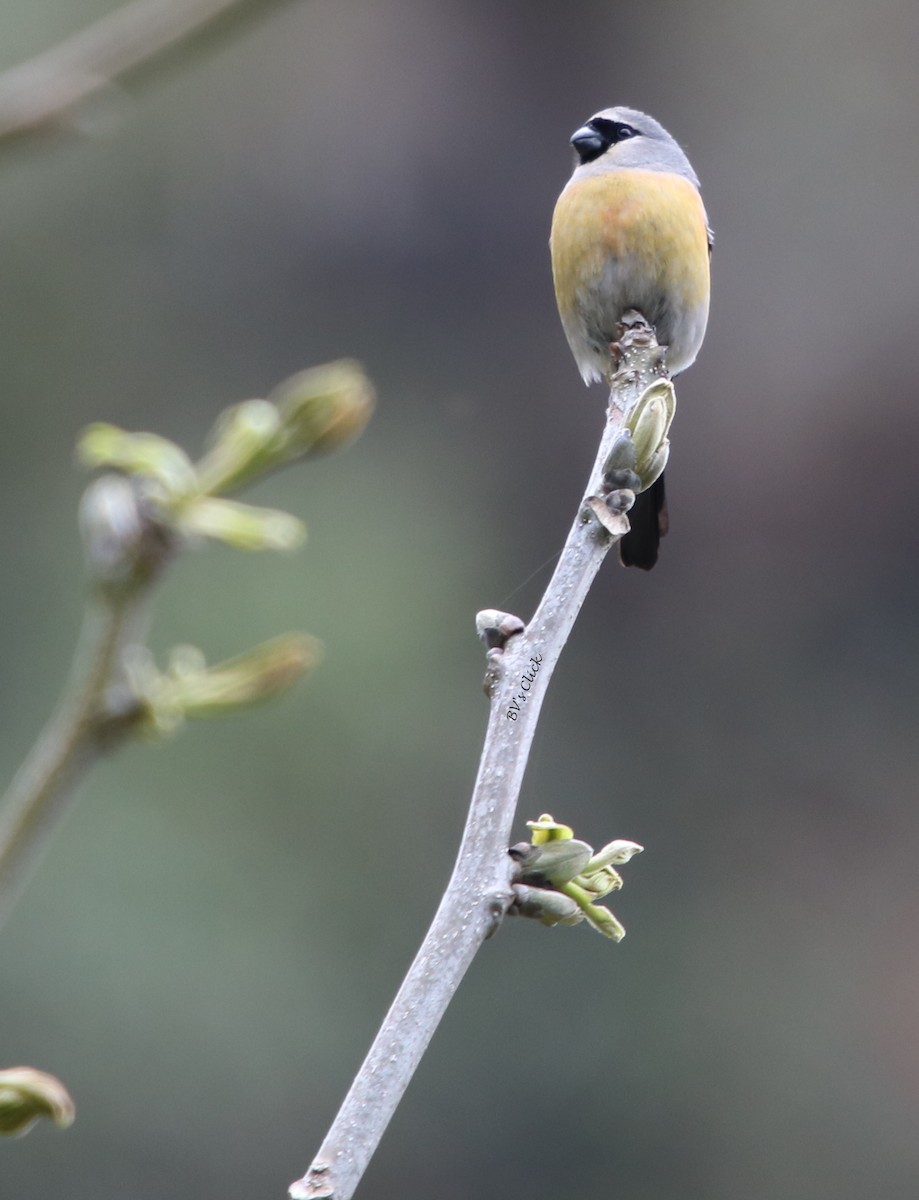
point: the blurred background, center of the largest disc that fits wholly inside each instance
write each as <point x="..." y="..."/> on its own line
<point x="208" y="948"/>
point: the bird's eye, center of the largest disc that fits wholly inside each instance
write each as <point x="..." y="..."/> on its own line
<point x="612" y="131"/>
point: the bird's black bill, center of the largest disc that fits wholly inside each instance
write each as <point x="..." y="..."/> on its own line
<point x="589" y="143"/>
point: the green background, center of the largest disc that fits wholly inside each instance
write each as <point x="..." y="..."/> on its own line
<point x="208" y="947"/>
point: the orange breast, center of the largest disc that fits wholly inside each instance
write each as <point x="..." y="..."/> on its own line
<point x="651" y="223"/>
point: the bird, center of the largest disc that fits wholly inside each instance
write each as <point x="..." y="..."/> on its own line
<point x="630" y="231"/>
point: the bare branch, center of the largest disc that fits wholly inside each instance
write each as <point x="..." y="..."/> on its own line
<point x="42" y="93"/>
<point x="479" y="891"/>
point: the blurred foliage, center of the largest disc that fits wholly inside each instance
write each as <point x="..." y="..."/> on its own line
<point x="27" y="1095"/>
<point x="377" y="179"/>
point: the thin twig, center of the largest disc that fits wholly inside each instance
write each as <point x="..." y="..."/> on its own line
<point x="43" y="92"/>
<point x="67" y="747"/>
<point x="479" y="891"/>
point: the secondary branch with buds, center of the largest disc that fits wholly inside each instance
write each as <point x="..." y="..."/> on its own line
<point x="153" y="503"/>
<point x="134" y="523"/>
<point x="487" y="882"/>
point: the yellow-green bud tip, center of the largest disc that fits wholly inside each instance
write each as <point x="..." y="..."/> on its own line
<point x="547" y="829"/>
<point x="146" y="454"/>
<point x="26" y="1095"/>
<point x="324" y="408"/>
<point x="244" y="526"/>
<point x="193" y="690"/>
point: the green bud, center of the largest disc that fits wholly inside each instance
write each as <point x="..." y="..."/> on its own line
<point x="26" y="1095"/>
<point x="241" y="525"/>
<point x="597" y="916"/>
<point x="656" y="464"/>
<point x="618" y="852"/>
<point x="604" y="922"/>
<point x="191" y="689"/>
<point x="245" y="442"/>
<point x="552" y="908"/>
<point x="547" y="829"/>
<point x="323" y="408"/>
<point x="599" y="883"/>
<point x="555" y="863"/>
<point x="146" y="454"/>
<point x="649" y="423"/>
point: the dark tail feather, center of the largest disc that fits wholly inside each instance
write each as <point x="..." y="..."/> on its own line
<point x="648" y="522"/>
